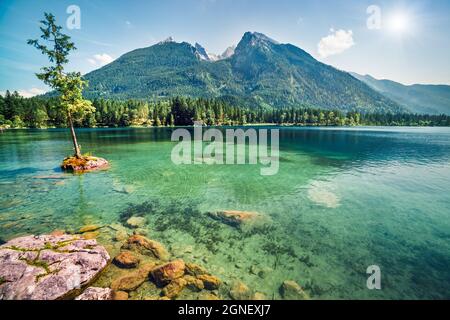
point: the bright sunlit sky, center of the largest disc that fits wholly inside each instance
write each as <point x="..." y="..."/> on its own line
<point x="410" y="43"/>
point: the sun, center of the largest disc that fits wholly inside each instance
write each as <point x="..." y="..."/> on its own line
<point x="399" y="23"/>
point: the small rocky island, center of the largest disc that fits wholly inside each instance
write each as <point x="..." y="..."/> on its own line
<point x="84" y="164"/>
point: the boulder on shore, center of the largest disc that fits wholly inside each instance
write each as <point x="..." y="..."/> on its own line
<point x="49" y="267"/>
<point x="93" y="293"/>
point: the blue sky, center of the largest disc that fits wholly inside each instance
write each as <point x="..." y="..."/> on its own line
<point x="412" y="46"/>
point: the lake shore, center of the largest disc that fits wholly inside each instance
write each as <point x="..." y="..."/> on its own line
<point x="231" y="126"/>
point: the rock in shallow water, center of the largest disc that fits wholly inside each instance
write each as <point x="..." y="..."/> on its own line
<point x="89" y="228"/>
<point x="168" y="272"/>
<point x="193" y="283"/>
<point x="146" y="246"/>
<point x="205" y="296"/>
<point x="210" y="282"/>
<point x="120" y="295"/>
<point x="136" y="222"/>
<point x="240" y="219"/>
<point x="174" y="288"/>
<point x="240" y="291"/>
<point x="291" y="290"/>
<point x="195" y="270"/>
<point x="133" y="280"/>
<point x="48" y="267"/>
<point x="126" y="260"/>
<point x="321" y="194"/>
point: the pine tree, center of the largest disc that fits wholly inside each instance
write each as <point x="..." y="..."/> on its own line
<point x="68" y="85"/>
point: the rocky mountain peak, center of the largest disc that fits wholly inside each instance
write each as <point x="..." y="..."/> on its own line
<point x="228" y="52"/>
<point x="168" y="40"/>
<point x="203" y="54"/>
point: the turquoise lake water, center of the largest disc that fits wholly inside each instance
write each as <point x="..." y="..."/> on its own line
<point x="343" y="199"/>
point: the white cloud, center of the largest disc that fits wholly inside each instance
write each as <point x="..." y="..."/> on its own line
<point x="31" y="92"/>
<point x="26" y="93"/>
<point x="100" y="59"/>
<point x="336" y="42"/>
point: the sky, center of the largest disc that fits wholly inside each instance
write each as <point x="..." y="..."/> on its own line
<point x="404" y="41"/>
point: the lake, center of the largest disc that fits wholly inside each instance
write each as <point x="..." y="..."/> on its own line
<point x="344" y="199"/>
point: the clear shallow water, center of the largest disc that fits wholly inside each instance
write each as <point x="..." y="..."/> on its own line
<point x="344" y="199"/>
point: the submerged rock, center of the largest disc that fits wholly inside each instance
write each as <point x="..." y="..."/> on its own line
<point x="291" y="290"/>
<point x="51" y="177"/>
<point x="120" y="236"/>
<point x="136" y="222"/>
<point x="210" y="282"/>
<point x="120" y="295"/>
<point x="120" y="232"/>
<point x="133" y="280"/>
<point x="140" y="232"/>
<point x="193" y="283"/>
<point x="240" y="291"/>
<point x="89" y="228"/>
<point x="124" y="189"/>
<point x="93" y="293"/>
<point x="126" y="259"/>
<point x="259" y="296"/>
<point x="174" y="288"/>
<point x="91" y="235"/>
<point x="240" y="218"/>
<point x="56" y="233"/>
<point x="194" y="269"/>
<point x="206" y="296"/>
<point x="128" y="282"/>
<point x="170" y="271"/>
<point x="321" y="194"/>
<point x="49" y="267"/>
<point x="146" y="246"/>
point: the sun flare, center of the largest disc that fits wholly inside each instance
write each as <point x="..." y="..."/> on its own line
<point x="399" y="23"/>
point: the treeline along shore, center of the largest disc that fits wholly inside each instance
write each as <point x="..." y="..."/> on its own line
<point x="44" y="112"/>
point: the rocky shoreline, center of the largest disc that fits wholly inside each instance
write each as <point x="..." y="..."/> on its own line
<point x="75" y="266"/>
<point x="49" y="267"/>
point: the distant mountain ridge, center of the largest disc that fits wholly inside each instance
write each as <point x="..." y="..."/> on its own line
<point x="417" y="98"/>
<point x="206" y="56"/>
<point x="258" y="72"/>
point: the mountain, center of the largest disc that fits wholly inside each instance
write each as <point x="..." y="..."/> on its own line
<point x="228" y="52"/>
<point x="205" y="55"/>
<point x="417" y="98"/>
<point x="258" y="72"/>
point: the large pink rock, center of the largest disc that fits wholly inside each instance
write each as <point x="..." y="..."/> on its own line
<point x="48" y="267"/>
